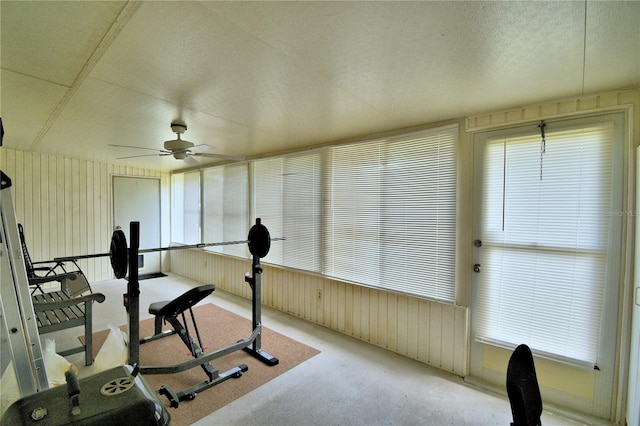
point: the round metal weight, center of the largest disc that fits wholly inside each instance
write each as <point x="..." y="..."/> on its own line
<point x="118" y="254"/>
<point x="259" y="240"/>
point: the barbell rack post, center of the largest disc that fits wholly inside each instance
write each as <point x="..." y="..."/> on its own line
<point x="133" y="295"/>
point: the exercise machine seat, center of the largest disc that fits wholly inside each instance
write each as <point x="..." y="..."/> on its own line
<point x="169" y="309"/>
<point x="523" y="389"/>
<point x="173" y="308"/>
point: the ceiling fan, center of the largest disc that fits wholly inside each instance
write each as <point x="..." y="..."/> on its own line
<point x="181" y="149"/>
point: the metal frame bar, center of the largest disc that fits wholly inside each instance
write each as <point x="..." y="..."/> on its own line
<point x="18" y="317"/>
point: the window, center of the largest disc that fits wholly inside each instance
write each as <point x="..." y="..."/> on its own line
<point x="550" y="245"/>
<point x="226" y="213"/>
<point x="286" y="196"/>
<point x="185" y="208"/>
<point x="379" y="213"/>
<point x="390" y="213"/>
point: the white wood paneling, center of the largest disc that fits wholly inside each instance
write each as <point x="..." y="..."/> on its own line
<point x="427" y="331"/>
<point x="548" y="110"/>
<point x="65" y="205"/>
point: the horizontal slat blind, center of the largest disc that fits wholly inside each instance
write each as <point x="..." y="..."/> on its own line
<point x="286" y="196"/>
<point x="419" y="212"/>
<point x="225" y="196"/>
<point x="267" y="201"/>
<point x="352" y="229"/>
<point x="185" y="208"/>
<point x="212" y="205"/>
<point x="545" y="238"/>
<point x="302" y="211"/>
<point x="390" y="213"/>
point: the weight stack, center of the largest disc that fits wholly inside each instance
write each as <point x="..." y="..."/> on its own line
<point x="111" y="397"/>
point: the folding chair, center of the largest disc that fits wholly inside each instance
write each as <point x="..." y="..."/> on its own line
<point x="73" y="282"/>
<point x="65" y="308"/>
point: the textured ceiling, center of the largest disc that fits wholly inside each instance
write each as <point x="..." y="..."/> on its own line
<point x="253" y="78"/>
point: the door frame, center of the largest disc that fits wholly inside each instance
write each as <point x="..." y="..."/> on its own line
<point x="156" y="257"/>
<point x="479" y="374"/>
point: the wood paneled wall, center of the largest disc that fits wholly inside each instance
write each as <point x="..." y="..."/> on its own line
<point x="430" y="332"/>
<point x="561" y="108"/>
<point x="66" y="205"/>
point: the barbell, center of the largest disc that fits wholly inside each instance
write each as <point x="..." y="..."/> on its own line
<point x="258" y="240"/>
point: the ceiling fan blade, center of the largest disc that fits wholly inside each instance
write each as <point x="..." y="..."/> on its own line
<point x="137" y="147"/>
<point x="190" y="161"/>
<point x="201" y="148"/>
<point x="221" y="156"/>
<point x="204" y="150"/>
<point x="137" y="156"/>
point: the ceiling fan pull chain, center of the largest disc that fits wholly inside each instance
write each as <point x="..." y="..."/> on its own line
<point x="543" y="144"/>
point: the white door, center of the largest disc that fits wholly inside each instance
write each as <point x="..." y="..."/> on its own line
<point x="138" y="199"/>
<point x="548" y="220"/>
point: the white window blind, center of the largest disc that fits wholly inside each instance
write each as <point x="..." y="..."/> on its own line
<point x="390" y="213"/>
<point x="267" y="201"/>
<point x="185" y="208"/>
<point x="545" y="240"/>
<point x="225" y="198"/>
<point x="286" y="196"/>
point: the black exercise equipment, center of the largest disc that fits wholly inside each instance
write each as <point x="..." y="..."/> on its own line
<point x="118" y="245"/>
<point x="523" y="389"/>
<point x="170" y="310"/>
<point x="115" y="396"/>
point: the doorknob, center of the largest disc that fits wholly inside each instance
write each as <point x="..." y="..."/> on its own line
<point x="476" y="268"/>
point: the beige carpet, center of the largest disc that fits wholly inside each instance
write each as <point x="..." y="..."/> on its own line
<point x="218" y="328"/>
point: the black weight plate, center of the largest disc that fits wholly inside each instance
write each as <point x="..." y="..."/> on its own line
<point x="259" y="240"/>
<point x="118" y="254"/>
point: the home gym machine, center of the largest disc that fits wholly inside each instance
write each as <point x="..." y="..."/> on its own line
<point x="125" y="258"/>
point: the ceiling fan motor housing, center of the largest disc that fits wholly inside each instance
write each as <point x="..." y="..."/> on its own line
<point x="177" y="145"/>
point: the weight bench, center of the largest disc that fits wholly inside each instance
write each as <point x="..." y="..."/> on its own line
<point x="170" y="311"/>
